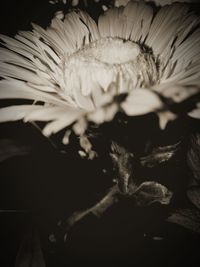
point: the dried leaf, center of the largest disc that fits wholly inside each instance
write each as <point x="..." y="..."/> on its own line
<point x="188" y="218"/>
<point x="122" y="163"/>
<point x="30" y="252"/>
<point x="10" y="148"/>
<point x="159" y="155"/>
<point x="194" y="196"/>
<point x="193" y="156"/>
<point x="150" y="192"/>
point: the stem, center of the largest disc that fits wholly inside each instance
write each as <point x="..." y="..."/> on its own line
<point x="98" y="209"/>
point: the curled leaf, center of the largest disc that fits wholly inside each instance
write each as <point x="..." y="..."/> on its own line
<point x="159" y="155"/>
<point x="150" y="192"/>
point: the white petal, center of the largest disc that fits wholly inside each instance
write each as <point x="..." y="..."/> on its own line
<point x="176" y="92"/>
<point x="138" y="20"/>
<point x="165" y="27"/>
<point x="103" y="26"/>
<point x="75" y="30"/>
<point x="100" y="97"/>
<point x="195" y="113"/>
<point x="14" y="58"/>
<point x="47" y="113"/>
<point x="164" y="117"/>
<point x="64" y="121"/>
<point x="140" y="102"/>
<point x="9" y="70"/>
<point x="50" y="35"/>
<point x="91" y="25"/>
<point x="20" y="90"/>
<point x="84" y="102"/>
<point x="66" y="136"/>
<point x="14" y="113"/>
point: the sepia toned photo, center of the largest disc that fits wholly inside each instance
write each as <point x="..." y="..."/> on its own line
<point x="99" y="133"/>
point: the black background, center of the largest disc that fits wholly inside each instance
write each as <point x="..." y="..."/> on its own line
<point x="47" y="186"/>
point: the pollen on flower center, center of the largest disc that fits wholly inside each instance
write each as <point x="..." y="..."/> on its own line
<point x="112" y="51"/>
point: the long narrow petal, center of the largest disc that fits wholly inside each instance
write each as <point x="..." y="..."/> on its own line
<point x="14" y="113"/>
<point x="20" y="90"/>
<point x="64" y="121"/>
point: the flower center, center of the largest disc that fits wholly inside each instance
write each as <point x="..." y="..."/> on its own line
<point x="106" y="63"/>
<point x="112" y="51"/>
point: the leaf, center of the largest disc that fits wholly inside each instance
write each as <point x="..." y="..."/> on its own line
<point x="10" y="148"/>
<point x="194" y="196"/>
<point x="193" y="155"/>
<point x="122" y="160"/>
<point x="150" y="192"/>
<point x="159" y="155"/>
<point x="188" y="218"/>
<point x="30" y="252"/>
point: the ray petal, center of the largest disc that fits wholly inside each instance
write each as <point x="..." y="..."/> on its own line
<point x="61" y="123"/>
<point x="20" y="90"/>
<point x="48" y="113"/>
<point x="165" y="27"/>
<point x="14" y="113"/>
<point x="139" y="17"/>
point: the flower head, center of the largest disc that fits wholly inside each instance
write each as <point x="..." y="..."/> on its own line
<point x="77" y="71"/>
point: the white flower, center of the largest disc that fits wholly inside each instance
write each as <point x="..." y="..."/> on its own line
<point x="75" y="70"/>
<point x="118" y="3"/>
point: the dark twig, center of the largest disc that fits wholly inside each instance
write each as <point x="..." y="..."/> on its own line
<point x="98" y="209"/>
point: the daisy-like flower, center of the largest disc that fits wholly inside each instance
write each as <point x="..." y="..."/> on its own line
<point x="118" y="3"/>
<point x="77" y="71"/>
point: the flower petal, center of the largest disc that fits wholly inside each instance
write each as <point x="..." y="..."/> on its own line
<point x="140" y="102"/>
<point x="14" y="113"/>
<point x="165" y="26"/>
<point x="20" y="90"/>
<point x="64" y="121"/>
<point x="138" y="20"/>
<point x="195" y="113"/>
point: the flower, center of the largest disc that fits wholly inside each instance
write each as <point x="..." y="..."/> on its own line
<point x="77" y="71"/>
<point x="118" y="3"/>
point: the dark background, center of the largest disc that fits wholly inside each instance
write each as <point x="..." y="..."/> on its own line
<point x="39" y="189"/>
